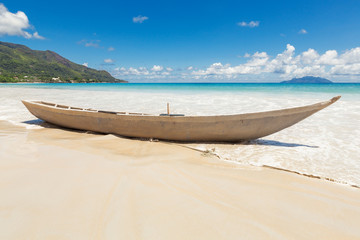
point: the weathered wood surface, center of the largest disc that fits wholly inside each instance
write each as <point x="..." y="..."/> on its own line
<point x="223" y="128"/>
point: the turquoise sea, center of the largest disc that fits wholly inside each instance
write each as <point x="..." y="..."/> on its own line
<point x="339" y="88"/>
<point x="326" y="144"/>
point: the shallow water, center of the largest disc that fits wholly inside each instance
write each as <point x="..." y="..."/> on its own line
<point x="327" y="144"/>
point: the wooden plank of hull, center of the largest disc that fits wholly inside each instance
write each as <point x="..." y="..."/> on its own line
<point x="223" y="128"/>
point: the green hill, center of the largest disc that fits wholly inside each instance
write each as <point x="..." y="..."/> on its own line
<point x="19" y="63"/>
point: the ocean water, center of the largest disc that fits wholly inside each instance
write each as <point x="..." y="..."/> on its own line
<point x="326" y="144"/>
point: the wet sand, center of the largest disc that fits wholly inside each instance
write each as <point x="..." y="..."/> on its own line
<point x="58" y="184"/>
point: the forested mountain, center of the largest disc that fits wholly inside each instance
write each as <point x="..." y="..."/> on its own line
<point x="19" y="63"/>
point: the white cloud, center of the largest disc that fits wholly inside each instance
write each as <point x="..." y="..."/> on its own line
<point x="37" y="36"/>
<point x="141" y="73"/>
<point x="108" y="60"/>
<point x="86" y="64"/>
<point x="122" y="71"/>
<point x="90" y="43"/>
<point x="140" y="19"/>
<point x="288" y="65"/>
<point x="330" y="57"/>
<point x="351" y="56"/>
<point x="218" y="69"/>
<point x="309" y="56"/>
<point x="15" y="24"/>
<point x="157" y="68"/>
<point x="314" y="70"/>
<point x="347" y="63"/>
<point x="283" y="62"/>
<point x="110" y="49"/>
<point x="303" y="31"/>
<point x="258" y="59"/>
<point x="260" y="65"/>
<point x="352" y="69"/>
<point x="250" y="24"/>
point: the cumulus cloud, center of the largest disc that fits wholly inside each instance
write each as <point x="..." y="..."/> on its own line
<point x="157" y="68"/>
<point x="131" y="71"/>
<point x="260" y="65"/>
<point x="351" y="56"/>
<point x="141" y="73"/>
<point x="330" y="57"/>
<point x="303" y="31"/>
<point x="287" y="64"/>
<point x="86" y="64"/>
<point x="134" y="71"/>
<point x="352" y="69"/>
<point x="250" y="24"/>
<point x="258" y="59"/>
<point x="15" y="24"/>
<point x="140" y="19"/>
<point x="283" y="62"/>
<point x="309" y="56"/>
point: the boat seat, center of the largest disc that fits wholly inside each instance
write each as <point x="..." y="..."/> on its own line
<point x="101" y="111"/>
<point x="172" y="115"/>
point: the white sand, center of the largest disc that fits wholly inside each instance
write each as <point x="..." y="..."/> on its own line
<point x="57" y="184"/>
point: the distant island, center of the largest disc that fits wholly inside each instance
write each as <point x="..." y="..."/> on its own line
<point x="19" y="63"/>
<point x="308" y="79"/>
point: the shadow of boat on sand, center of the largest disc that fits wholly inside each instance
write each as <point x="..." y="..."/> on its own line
<point x="260" y="142"/>
<point x="265" y="142"/>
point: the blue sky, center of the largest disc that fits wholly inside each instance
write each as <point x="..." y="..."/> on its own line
<point x="206" y="41"/>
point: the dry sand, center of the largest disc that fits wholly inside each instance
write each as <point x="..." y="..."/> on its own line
<point x="58" y="184"/>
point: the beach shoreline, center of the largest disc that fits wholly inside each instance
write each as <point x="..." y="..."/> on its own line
<point x="316" y="146"/>
<point x="60" y="184"/>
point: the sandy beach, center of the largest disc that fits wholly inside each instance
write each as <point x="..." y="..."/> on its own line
<point x="59" y="184"/>
<point x="176" y="120"/>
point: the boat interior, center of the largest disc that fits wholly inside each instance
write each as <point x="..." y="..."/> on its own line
<point x="101" y="111"/>
<point x="88" y="109"/>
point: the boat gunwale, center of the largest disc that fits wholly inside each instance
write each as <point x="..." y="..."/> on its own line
<point x="271" y="113"/>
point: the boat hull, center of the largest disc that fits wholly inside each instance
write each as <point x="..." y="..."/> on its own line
<point x="226" y="128"/>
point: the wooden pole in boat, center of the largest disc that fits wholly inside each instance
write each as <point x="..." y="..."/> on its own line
<point x="168" y="109"/>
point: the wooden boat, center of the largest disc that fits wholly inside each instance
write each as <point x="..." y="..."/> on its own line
<point x="223" y="128"/>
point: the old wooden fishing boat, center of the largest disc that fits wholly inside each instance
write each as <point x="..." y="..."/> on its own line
<point x="223" y="128"/>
